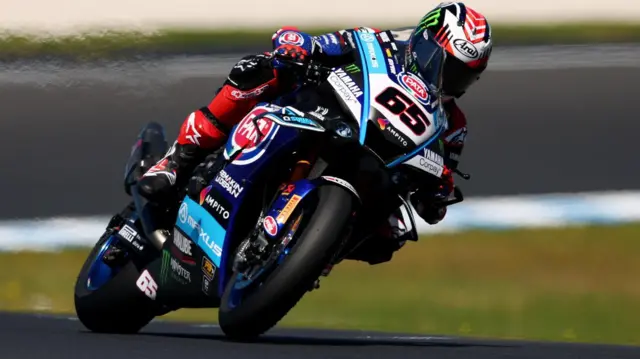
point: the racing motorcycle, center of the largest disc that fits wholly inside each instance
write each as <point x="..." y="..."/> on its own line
<point x="294" y="191"/>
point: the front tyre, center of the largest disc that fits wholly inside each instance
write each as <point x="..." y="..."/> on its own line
<point x="107" y="300"/>
<point x="287" y="284"/>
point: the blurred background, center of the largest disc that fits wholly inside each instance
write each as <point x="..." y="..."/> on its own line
<point x="545" y="247"/>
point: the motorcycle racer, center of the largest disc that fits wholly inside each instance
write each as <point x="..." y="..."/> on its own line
<point x="462" y="32"/>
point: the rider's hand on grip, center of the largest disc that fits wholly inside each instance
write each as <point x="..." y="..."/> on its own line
<point x="292" y="53"/>
<point x="447" y="186"/>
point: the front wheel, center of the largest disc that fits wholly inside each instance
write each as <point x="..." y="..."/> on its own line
<point x="265" y="305"/>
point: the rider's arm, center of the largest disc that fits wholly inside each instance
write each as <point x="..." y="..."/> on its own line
<point x="456" y="135"/>
<point x="332" y="49"/>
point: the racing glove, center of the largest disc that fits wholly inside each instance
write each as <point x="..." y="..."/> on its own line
<point x="429" y="204"/>
<point x="292" y="44"/>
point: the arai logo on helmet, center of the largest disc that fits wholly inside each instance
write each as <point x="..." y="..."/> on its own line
<point x="466" y="48"/>
<point x="415" y="86"/>
<point x="291" y="38"/>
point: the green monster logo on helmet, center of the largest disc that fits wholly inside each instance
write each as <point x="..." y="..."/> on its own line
<point x="431" y="19"/>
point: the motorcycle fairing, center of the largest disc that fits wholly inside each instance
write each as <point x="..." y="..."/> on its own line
<point x="262" y="134"/>
<point x="376" y="78"/>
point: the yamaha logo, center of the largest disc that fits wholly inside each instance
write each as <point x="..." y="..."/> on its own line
<point x="183" y="212"/>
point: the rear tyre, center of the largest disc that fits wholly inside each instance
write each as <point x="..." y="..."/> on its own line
<point x="116" y="305"/>
<point x="288" y="283"/>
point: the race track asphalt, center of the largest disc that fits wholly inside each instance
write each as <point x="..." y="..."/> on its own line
<point x="53" y="337"/>
<point x="64" y="144"/>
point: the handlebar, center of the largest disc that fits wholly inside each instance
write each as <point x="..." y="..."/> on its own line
<point x="314" y="72"/>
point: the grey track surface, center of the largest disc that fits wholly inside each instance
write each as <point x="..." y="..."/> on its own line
<point x="52" y="337"/>
<point x="541" y="120"/>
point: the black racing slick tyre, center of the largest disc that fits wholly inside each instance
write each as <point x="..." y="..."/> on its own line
<point x="289" y="282"/>
<point x="118" y="306"/>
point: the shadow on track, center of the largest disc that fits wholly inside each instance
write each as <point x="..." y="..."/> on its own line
<point x="329" y="341"/>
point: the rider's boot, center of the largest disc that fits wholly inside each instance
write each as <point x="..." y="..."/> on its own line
<point x="198" y="137"/>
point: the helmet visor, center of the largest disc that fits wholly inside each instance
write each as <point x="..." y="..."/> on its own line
<point x="427" y="60"/>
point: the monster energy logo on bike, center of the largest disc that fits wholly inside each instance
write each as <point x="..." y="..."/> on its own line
<point x="178" y="272"/>
<point x="352" y="69"/>
<point x="166" y="257"/>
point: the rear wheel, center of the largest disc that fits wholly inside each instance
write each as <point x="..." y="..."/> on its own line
<point x="106" y="296"/>
<point x="247" y="311"/>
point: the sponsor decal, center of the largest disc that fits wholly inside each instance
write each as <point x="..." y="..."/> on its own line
<point x="397" y="135"/>
<point x="208" y="269"/>
<point x="228" y="183"/>
<point x="342" y="183"/>
<point x="164" y="267"/>
<point x="184" y="216"/>
<point x="300" y="120"/>
<point x="206" y="284"/>
<point x="434" y="157"/>
<point x="367" y="37"/>
<point x="415" y="86"/>
<point x="247" y="135"/>
<point x="352" y="69"/>
<point x="466" y="48"/>
<point x="132" y="236"/>
<point x="291" y="38"/>
<point x="147" y="285"/>
<point x="432" y="163"/>
<point x="371" y="49"/>
<point x="183" y="212"/>
<point x="392" y="66"/>
<point x="180" y="273"/>
<point x="203" y="194"/>
<point x="270" y="226"/>
<point x="287" y="189"/>
<point x="242" y="95"/>
<point x="348" y="81"/>
<point x="384" y="37"/>
<point x="288" y="208"/>
<point x="334" y="39"/>
<point x="349" y="36"/>
<point x="217" y="250"/>
<point x="384" y="125"/>
<point x="342" y="90"/>
<point x="219" y="208"/>
<point x="182" y="243"/>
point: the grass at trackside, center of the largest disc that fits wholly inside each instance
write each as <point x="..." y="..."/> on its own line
<point x="125" y="44"/>
<point x="577" y="284"/>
